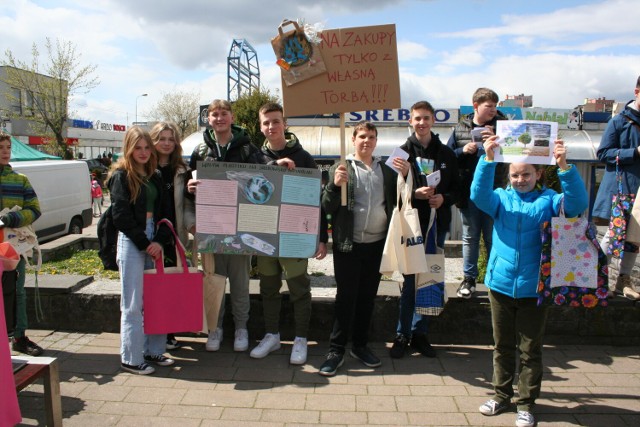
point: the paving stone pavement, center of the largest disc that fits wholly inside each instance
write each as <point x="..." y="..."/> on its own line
<point x="582" y="385"/>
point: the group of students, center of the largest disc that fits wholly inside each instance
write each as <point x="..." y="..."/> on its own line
<point x="359" y="232"/>
<point x="151" y="182"/>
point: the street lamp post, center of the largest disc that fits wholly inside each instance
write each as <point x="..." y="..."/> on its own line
<point x="144" y="94"/>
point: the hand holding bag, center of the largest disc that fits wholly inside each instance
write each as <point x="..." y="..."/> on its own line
<point x="404" y="249"/>
<point x="172" y="297"/>
<point x="633" y="226"/>
<point x="621" y="205"/>
<point x="573" y="268"/>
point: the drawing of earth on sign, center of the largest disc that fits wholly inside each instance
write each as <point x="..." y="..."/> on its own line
<point x="256" y="188"/>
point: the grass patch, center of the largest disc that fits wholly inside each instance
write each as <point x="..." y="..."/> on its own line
<point x="72" y="261"/>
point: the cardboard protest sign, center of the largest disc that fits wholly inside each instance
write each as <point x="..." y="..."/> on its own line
<point x="362" y="74"/>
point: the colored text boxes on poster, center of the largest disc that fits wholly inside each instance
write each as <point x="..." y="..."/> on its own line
<point x="300" y="190"/>
<point x="298" y="219"/>
<point x="294" y="245"/>
<point x="223" y="222"/>
<point x="256" y="222"/>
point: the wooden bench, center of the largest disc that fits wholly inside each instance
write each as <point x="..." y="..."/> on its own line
<point x="47" y="369"/>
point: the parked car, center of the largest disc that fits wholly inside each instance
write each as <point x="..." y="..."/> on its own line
<point x="96" y="166"/>
<point x="64" y="193"/>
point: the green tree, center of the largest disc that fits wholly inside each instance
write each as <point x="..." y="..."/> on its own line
<point x="525" y="138"/>
<point x="245" y="110"/>
<point x="179" y="107"/>
<point x="48" y="87"/>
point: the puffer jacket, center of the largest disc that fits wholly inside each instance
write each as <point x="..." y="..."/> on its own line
<point x="514" y="263"/>
<point x="620" y="138"/>
<point x="239" y="149"/>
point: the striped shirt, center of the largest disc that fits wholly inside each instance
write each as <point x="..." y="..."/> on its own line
<point x="16" y="190"/>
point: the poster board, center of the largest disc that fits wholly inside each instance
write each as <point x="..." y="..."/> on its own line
<point x="362" y="74"/>
<point x="527" y="141"/>
<point x="253" y="209"/>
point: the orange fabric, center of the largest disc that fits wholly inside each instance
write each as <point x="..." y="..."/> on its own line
<point x="8" y="256"/>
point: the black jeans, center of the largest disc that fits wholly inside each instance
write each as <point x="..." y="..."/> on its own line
<point x="358" y="277"/>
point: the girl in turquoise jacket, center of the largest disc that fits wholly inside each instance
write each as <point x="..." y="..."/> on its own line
<point x="513" y="269"/>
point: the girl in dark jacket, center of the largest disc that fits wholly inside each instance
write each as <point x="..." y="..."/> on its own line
<point x="138" y="203"/>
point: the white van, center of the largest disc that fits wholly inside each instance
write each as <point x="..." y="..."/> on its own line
<point x="64" y="193"/>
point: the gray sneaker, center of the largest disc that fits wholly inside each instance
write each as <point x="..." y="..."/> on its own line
<point x="492" y="407"/>
<point x="525" y="419"/>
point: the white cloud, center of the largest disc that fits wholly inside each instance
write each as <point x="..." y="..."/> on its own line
<point x="154" y="46"/>
<point x="408" y="50"/>
<point x="555" y="81"/>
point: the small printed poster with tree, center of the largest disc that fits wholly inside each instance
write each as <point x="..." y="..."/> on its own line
<point x="526" y="141"/>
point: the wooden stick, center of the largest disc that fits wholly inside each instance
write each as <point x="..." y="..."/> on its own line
<point x="343" y="155"/>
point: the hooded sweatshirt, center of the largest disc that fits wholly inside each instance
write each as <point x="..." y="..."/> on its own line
<point x="294" y="151"/>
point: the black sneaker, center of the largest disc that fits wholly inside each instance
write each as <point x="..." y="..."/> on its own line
<point x="331" y="365"/>
<point x="172" y="342"/>
<point x="141" y="369"/>
<point x="467" y="288"/>
<point x="159" y="360"/>
<point x="400" y="345"/>
<point x="26" y="346"/>
<point x="420" y="343"/>
<point x="366" y="356"/>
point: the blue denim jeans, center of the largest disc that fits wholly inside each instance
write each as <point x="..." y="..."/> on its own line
<point x="409" y="321"/>
<point x="474" y="222"/>
<point x="132" y="263"/>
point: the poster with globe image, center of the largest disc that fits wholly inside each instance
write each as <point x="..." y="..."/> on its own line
<point x="251" y="209"/>
<point x="526" y="141"/>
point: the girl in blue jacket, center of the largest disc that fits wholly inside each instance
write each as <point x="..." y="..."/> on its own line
<point x="513" y="269"/>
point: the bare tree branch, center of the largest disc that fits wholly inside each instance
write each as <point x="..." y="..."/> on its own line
<point x="48" y="88"/>
<point x="179" y="107"/>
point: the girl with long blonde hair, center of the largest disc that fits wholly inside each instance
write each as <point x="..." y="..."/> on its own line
<point x="138" y="202"/>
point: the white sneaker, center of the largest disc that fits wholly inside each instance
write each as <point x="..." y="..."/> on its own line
<point x="270" y="342"/>
<point x="299" y="351"/>
<point x="241" y="343"/>
<point x="214" y="340"/>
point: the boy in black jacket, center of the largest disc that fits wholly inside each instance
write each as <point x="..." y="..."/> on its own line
<point x="424" y="146"/>
<point x="283" y="149"/>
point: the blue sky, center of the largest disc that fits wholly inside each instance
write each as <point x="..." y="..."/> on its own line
<point x="558" y="51"/>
